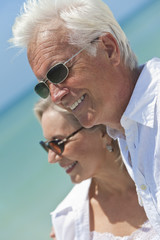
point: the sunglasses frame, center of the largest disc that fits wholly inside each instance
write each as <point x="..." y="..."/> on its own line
<point x="60" y="143"/>
<point x="66" y="68"/>
<point x="64" y="65"/>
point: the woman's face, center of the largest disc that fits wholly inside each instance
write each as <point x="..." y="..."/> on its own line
<point x="84" y="154"/>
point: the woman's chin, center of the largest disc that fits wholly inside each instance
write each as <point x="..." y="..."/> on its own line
<point x="76" y="179"/>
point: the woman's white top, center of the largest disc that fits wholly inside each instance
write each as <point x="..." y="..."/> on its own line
<point x="71" y="219"/>
<point x="146" y="232"/>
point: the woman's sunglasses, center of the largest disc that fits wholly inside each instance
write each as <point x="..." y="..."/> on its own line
<point x="57" y="145"/>
<point x="56" y="74"/>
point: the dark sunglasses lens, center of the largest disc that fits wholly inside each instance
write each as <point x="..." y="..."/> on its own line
<point x="42" y="90"/>
<point x="44" y="146"/>
<point x="58" y="73"/>
<point x="55" y="147"/>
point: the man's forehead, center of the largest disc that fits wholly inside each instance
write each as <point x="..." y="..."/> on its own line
<point x="48" y="37"/>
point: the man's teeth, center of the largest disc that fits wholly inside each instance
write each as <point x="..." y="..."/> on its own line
<point x="74" y="105"/>
<point x="71" y="165"/>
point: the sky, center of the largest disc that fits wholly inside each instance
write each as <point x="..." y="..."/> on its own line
<point x="16" y="75"/>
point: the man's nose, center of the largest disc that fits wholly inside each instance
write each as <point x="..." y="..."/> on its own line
<point x="53" y="157"/>
<point x="57" y="93"/>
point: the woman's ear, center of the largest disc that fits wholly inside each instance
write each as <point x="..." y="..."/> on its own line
<point x="111" y="47"/>
<point x="107" y="140"/>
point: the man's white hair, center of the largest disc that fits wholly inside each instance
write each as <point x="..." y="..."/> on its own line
<point x="85" y="20"/>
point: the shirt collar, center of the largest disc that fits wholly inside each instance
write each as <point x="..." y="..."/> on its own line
<point x="142" y="103"/>
<point x="141" y="106"/>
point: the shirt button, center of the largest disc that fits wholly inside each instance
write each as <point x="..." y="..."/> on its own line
<point x="143" y="187"/>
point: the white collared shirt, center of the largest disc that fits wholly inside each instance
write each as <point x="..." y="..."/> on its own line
<point x="71" y="218"/>
<point x="141" y="148"/>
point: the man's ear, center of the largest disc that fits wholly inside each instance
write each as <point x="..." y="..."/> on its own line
<point x="111" y="47"/>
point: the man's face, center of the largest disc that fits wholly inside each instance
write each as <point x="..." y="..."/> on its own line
<point x="93" y="88"/>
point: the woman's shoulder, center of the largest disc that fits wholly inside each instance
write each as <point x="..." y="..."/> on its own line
<point x="76" y="197"/>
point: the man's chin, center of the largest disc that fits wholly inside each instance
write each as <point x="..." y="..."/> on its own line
<point x="85" y="122"/>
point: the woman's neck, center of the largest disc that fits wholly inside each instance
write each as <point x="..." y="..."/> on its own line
<point x="112" y="180"/>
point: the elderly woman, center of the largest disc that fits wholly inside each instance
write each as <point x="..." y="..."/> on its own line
<point x="103" y="203"/>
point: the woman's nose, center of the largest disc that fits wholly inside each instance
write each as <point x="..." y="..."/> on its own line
<point x="57" y="93"/>
<point x="53" y="157"/>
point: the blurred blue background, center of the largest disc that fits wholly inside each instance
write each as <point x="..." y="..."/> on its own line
<point x="29" y="187"/>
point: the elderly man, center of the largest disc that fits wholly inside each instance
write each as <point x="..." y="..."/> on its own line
<point x="82" y="58"/>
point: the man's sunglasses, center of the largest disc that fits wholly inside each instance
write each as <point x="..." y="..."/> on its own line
<point x="56" y="74"/>
<point x="57" y="145"/>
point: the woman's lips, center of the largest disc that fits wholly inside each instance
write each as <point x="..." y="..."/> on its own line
<point x="70" y="167"/>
